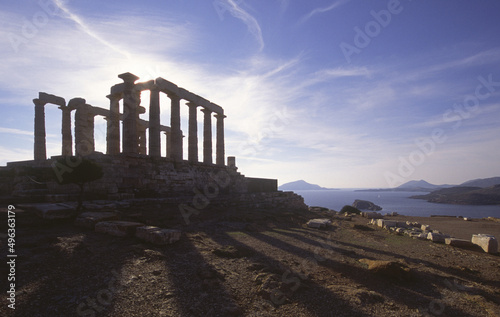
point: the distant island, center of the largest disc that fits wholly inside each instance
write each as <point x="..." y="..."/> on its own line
<point x="302" y="185"/>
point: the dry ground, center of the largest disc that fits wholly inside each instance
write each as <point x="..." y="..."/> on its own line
<point x="247" y="263"/>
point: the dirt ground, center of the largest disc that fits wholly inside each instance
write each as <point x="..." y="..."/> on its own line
<point x="248" y="263"/>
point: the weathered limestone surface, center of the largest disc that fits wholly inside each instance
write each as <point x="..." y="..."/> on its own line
<point x="436" y="237"/>
<point x="91" y="218"/>
<point x="461" y="243"/>
<point x="425" y="228"/>
<point x="319" y="223"/>
<point x="118" y="228"/>
<point x="157" y="235"/>
<point x="487" y="242"/>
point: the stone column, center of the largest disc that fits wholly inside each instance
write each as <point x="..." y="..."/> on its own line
<point x="113" y="125"/>
<point x="207" y="136"/>
<point x="168" y="143"/>
<point x="154" y="123"/>
<point x="131" y="101"/>
<point x="141" y="134"/>
<point x="175" y="126"/>
<point x="67" y="139"/>
<point x="40" y="151"/>
<point x="193" y="133"/>
<point x="220" y="139"/>
<point x="84" y="130"/>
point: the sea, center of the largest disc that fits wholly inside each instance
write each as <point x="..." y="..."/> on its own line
<point x="394" y="201"/>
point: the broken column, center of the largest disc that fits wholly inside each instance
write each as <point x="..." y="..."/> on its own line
<point x="207" y="136"/>
<point x="40" y="151"/>
<point x="193" y="133"/>
<point x="131" y="101"/>
<point x="220" y="139"/>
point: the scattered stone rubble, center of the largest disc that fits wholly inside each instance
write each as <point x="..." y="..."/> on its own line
<point x="413" y="230"/>
<point x="419" y="231"/>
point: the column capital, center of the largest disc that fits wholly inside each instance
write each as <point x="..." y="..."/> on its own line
<point x="206" y="111"/>
<point x="39" y="102"/>
<point x="154" y="87"/>
<point x="220" y="116"/>
<point x="192" y="104"/>
<point x="114" y="96"/>
<point x="128" y="78"/>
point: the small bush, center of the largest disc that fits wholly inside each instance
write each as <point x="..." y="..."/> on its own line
<point x="350" y="209"/>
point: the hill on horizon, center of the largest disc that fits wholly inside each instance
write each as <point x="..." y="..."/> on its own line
<point x="301" y="185"/>
<point x="420" y="184"/>
<point x="482" y="182"/>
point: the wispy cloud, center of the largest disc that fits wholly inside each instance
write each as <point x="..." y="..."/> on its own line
<point x="81" y="23"/>
<point x="316" y="11"/>
<point x="15" y="131"/>
<point x="250" y="21"/>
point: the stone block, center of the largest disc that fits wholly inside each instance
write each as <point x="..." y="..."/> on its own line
<point x="115" y="196"/>
<point x="371" y="215"/>
<point x="421" y="236"/>
<point x="460" y="243"/>
<point x="425" y="228"/>
<point x="487" y="242"/>
<point x="118" y="228"/>
<point x="54" y="211"/>
<point x="389" y="224"/>
<point x="157" y="235"/>
<point x="91" y="218"/>
<point x="403" y="224"/>
<point x="436" y="237"/>
<point x="318" y="223"/>
<point x="126" y="196"/>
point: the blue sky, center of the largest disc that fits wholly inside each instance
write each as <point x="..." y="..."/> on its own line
<point x="345" y="93"/>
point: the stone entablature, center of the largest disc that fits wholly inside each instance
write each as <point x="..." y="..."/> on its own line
<point x="133" y="138"/>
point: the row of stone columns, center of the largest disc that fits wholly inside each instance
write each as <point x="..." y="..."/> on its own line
<point x="131" y="102"/>
<point x="134" y="130"/>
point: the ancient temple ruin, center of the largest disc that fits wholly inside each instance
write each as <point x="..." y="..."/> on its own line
<point x="133" y="138"/>
<point x="133" y="169"/>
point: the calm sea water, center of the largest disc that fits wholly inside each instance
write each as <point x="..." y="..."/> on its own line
<point x="394" y="201"/>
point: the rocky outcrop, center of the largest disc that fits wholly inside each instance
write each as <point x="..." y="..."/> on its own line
<point x="365" y="205"/>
